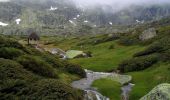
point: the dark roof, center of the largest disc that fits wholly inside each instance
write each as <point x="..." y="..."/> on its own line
<point x="33" y="36"/>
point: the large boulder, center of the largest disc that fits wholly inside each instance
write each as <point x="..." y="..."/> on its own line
<point x="160" y="92"/>
<point x="148" y="34"/>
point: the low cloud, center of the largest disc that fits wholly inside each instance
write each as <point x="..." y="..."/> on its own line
<point x="4" y="0"/>
<point x="116" y="4"/>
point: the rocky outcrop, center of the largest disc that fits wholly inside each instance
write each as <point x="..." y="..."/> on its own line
<point x="148" y="34"/>
<point x="160" y="92"/>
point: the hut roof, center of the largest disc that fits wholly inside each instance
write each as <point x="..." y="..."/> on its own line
<point x="33" y="36"/>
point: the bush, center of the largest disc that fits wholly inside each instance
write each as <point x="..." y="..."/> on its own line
<point x="5" y="42"/>
<point x="157" y="47"/>
<point x="10" y="53"/>
<point x="88" y="53"/>
<point x="37" y="65"/>
<point x="129" y="40"/>
<point x="74" y="69"/>
<point x="13" y="70"/>
<point x="166" y="55"/>
<point x="49" y="89"/>
<point x="111" y="46"/>
<point x="52" y="60"/>
<point x="137" y="64"/>
<point x="104" y="39"/>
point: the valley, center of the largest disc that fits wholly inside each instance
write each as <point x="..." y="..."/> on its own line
<point x="84" y="50"/>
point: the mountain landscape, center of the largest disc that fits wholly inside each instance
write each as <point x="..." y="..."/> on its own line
<point x="84" y="50"/>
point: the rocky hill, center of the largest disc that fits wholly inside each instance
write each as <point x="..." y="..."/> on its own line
<point x="64" y="17"/>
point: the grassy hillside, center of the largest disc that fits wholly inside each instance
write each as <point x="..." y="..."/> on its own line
<point x="146" y="80"/>
<point x="106" y="55"/>
<point x="146" y="61"/>
<point x="26" y="73"/>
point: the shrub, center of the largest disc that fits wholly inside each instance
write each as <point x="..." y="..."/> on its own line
<point x="88" y="53"/>
<point x="105" y="39"/>
<point x="128" y="40"/>
<point x="74" y="69"/>
<point x="166" y="55"/>
<point x="12" y="70"/>
<point x="10" y="53"/>
<point x="111" y="46"/>
<point x="5" y="42"/>
<point x="52" y="60"/>
<point x="157" y="47"/>
<point x="50" y="89"/>
<point x="137" y="64"/>
<point x="37" y="65"/>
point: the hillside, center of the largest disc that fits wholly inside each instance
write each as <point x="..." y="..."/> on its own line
<point x="142" y="59"/>
<point x="51" y="17"/>
<point x="27" y="73"/>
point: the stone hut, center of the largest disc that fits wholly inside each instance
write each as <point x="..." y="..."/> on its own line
<point x="33" y="38"/>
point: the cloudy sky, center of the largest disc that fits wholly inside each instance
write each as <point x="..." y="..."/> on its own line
<point x="120" y="2"/>
<point x="117" y="4"/>
<point x="3" y="0"/>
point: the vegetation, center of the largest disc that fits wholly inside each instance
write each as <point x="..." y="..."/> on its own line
<point x="108" y="88"/>
<point x="157" y="74"/>
<point x="10" y="53"/>
<point x="26" y="73"/>
<point x="38" y="66"/>
<point x="31" y="74"/>
<point x="137" y="64"/>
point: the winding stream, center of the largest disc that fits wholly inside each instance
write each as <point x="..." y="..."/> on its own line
<point x="91" y="93"/>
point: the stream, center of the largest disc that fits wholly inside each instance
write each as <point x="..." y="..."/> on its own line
<point x="92" y="93"/>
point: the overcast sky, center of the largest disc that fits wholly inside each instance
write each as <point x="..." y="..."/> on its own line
<point x="116" y="4"/>
<point x="3" y="0"/>
<point x="120" y="2"/>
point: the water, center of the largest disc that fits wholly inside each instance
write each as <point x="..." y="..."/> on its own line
<point x="85" y="84"/>
<point x="93" y="94"/>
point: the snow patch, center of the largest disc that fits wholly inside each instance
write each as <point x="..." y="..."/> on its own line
<point x="72" y="22"/>
<point x="18" y="21"/>
<point x="3" y="24"/>
<point x="74" y="18"/>
<point x="110" y="23"/>
<point x="86" y="21"/>
<point x="138" y="21"/>
<point x="53" y="8"/>
<point x="78" y="16"/>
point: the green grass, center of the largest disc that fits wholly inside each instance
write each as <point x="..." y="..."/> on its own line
<point x="105" y="59"/>
<point x="108" y="88"/>
<point x="146" y="80"/>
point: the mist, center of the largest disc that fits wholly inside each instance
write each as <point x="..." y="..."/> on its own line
<point x="4" y="0"/>
<point x="116" y="4"/>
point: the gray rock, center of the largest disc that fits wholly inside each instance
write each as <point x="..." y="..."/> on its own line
<point x="160" y="92"/>
<point x="148" y="34"/>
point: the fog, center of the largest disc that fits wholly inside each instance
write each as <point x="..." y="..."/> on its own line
<point x="4" y="0"/>
<point x="116" y="4"/>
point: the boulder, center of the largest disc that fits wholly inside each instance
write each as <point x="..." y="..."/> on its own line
<point x="160" y="92"/>
<point x="148" y="34"/>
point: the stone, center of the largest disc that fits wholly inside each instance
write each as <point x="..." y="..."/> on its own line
<point x="160" y="92"/>
<point x="148" y="34"/>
